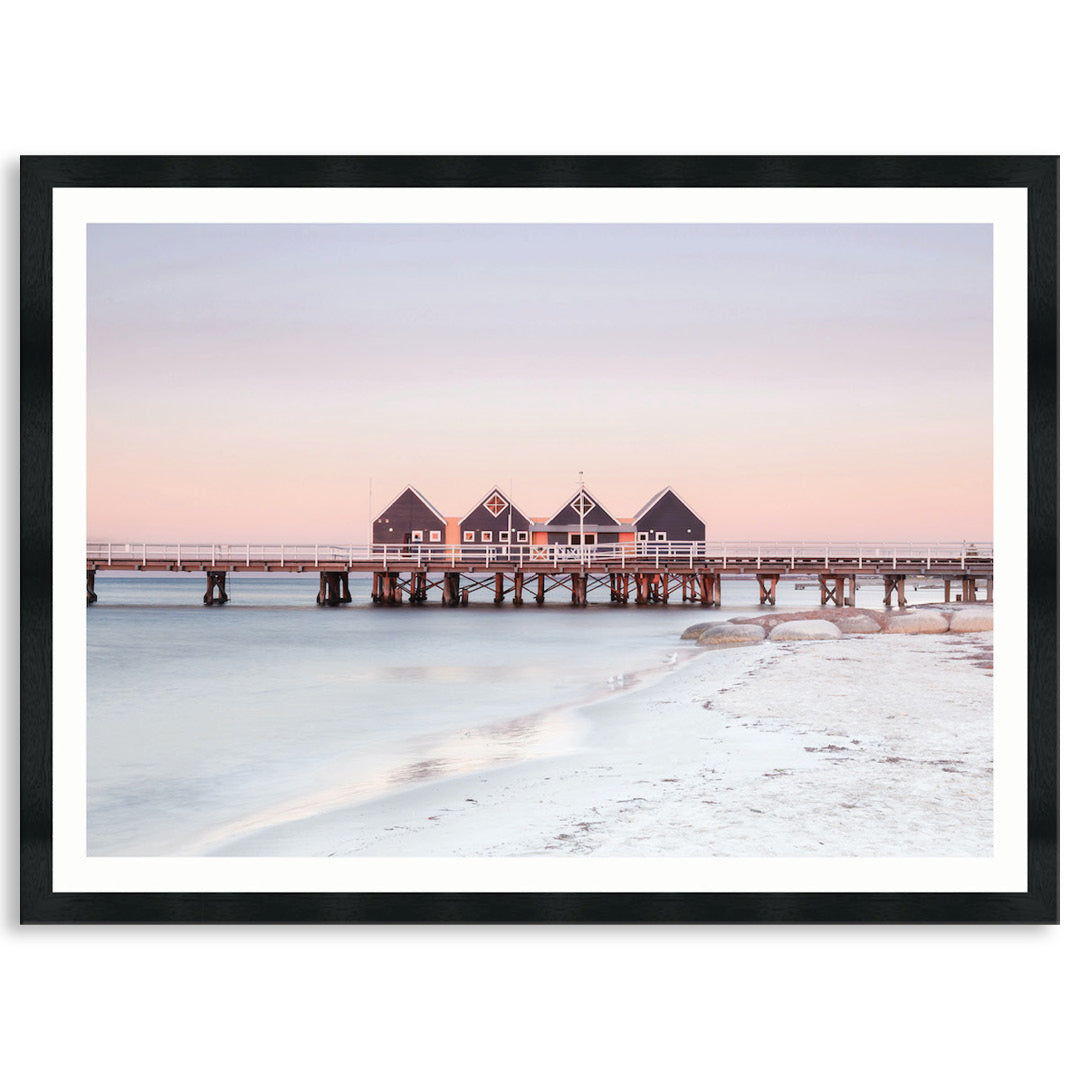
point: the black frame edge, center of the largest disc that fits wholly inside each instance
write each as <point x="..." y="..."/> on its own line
<point x="41" y="175"/>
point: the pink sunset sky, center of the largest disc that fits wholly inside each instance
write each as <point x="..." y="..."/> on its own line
<point x="249" y="382"/>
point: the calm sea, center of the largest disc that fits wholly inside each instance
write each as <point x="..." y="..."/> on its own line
<point x="205" y="724"/>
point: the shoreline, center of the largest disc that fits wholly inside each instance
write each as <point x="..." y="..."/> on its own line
<point x="559" y="730"/>
<point x="808" y="748"/>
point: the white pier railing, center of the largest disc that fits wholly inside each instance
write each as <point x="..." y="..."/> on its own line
<point x="739" y="553"/>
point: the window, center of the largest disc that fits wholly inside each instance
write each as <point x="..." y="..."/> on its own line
<point x="495" y="505"/>
<point x="504" y="538"/>
<point x="661" y="536"/>
<point x="522" y="537"/>
<point x="418" y="535"/>
<point x="642" y="537"/>
<point x="582" y="504"/>
<point x="434" y="536"/>
<point x="485" y="538"/>
<point x="470" y="537"/>
<point x="575" y="539"/>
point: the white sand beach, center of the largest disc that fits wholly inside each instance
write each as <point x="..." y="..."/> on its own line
<point x="872" y="745"/>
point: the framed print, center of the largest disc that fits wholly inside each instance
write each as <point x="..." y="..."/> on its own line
<point x="540" y="539"/>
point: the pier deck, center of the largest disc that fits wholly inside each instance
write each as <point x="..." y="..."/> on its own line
<point x="646" y="572"/>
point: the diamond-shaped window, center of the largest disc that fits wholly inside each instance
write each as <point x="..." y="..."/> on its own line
<point x="582" y="504"/>
<point x="495" y="505"/>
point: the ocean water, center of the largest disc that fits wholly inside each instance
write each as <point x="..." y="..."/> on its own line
<point x="205" y="724"/>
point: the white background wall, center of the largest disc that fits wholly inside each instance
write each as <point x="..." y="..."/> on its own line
<point x="558" y="77"/>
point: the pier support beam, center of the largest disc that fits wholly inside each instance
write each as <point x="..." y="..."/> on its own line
<point x="498" y="588"/>
<point x="91" y="596"/>
<point x="451" y="593"/>
<point x="418" y="587"/>
<point x="894" y="582"/>
<point x="710" y="590"/>
<point x="767" y="588"/>
<point x="613" y="587"/>
<point x="714" y="589"/>
<point x="519" y="588"/>
<point x="654" y="588"/>
<point x="333" y="588"/>
<point x="539" y="588"/>
<point x="621" y="595"/>
<point x="215" y="588"/>
<point x="948" y="588"/>
<point x="578" y="590"/>
<point x="833" y="592"/>
<point x="989" y="590"/>
<point x="851" y="600"/>
<point x="387" y="589"/>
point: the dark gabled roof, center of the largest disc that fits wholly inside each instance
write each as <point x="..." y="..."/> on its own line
<point x="496" y="491"/>
<point x="658" y="496"/>
<point x="572" y="516"/>
<point x="407" y="488"/>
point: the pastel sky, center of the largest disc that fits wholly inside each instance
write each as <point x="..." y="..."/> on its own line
<point x="248" y="382"/>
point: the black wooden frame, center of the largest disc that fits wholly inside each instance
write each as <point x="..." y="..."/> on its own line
<point x="1038" y="175"/>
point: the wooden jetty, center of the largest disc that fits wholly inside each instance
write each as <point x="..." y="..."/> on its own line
<point x="641" y="572"/>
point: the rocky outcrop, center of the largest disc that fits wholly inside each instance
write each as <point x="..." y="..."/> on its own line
<point x="805" y="630"/>
<point x="692" y="633"/>
<point x="859" y="624"/>
<point x="731" y="634"/>
<point x="919" y="622"/>
<point x="969" y="620"/>
<point x="828" y="614"/>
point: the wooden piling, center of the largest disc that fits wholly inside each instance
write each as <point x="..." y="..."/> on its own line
<point x="329" y="588"/>
<point x="451" y="589"/>
<point x="767" y="588"/>
<point x="91" y="596"/>
<point x="215" y="588"/>
<point x="539" y="588"/>
<point x="894" y="582"/>
<point x="834" y="591"/>
<point x="578" y="590"/>
<point x="498" y="588"/>
<point x="519" y="588"/>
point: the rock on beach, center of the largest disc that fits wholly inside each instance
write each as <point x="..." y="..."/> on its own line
<point x="967" y="621"/>
<point x="859" y="624"/>
<point x="833" y="615"/>
<point x="731" y="634"/>
<point x="919" y="622"/>
<point x="692" y="633"/>
<point x="805" y="630"/>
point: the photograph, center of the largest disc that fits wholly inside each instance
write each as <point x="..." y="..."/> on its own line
<point x="425" y="540"/>
<point x="543" y="541"/>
